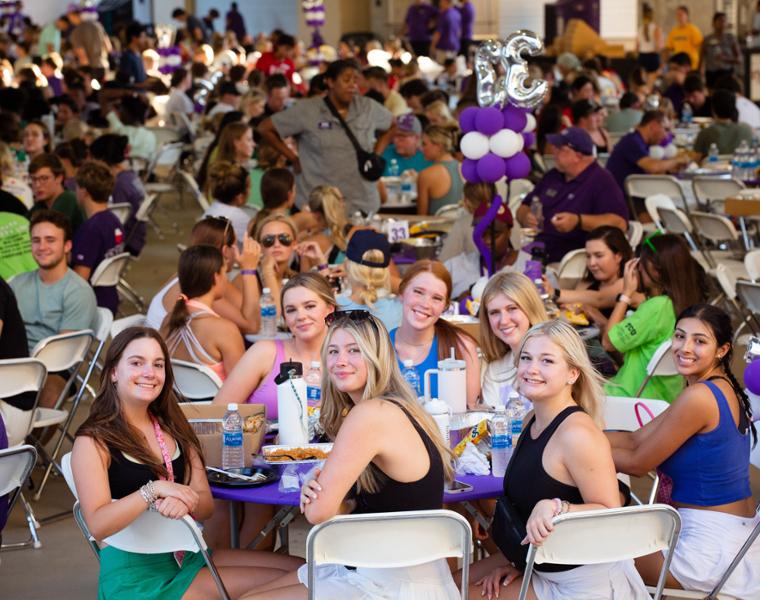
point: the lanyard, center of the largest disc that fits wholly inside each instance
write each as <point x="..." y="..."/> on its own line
<point x="164" y="450"/>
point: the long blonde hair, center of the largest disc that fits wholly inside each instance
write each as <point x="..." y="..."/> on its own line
<point x="384" y="381"/>
<point x="522" y="291"/>
<point x="588" y="390"/>
<point x="369" y="279"/>
<point x="327" y="200"/>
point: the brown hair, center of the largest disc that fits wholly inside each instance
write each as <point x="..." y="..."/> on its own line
<point x="328" y="201"/>
<point x="107" y="426"/>
<point x="444" y="136"/>
<point x="45" y="132"/>
<point x="226" y="181"/>
<point x="55" y="217"/>
<point x="95" y="177"/>
<point x="476" y="194"/>
<point x="51" y="161"/>
<point x="213" y="231"/>
<point x="314" y="282"/>
<point x="276" y="185"/>
<point x="449" y="336"/>
<point x="230" y="134"/>
<point x="615" y="240"/>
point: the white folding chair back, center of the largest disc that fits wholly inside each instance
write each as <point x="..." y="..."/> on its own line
<point x="620" y="412"/>
<point x="64" y="351"/>
<point x="196" y="192"/>
<point x="109" y="271"/>
<point x="635" y="233"/>
<point x="643" y="186"/>
<point x="146" y="208"/>
<point x="715" y="228"/>
<point x="121" y="210"/>
<point x="748" y="293"/>
<point x="727" y="281"/>
<point x="610" y="535"/>
<point x="16" y="463"/>
<point x="752" y="264"/>
<point x="653" y="203"/>
<point x="152" y="533"/>
<point x="194" y="381"/>
<point x="660" y="365"/>
<point x="675" y="220"/>
<point x="120" y="325"/>
<point x="572" y="268"/>
<point x="389" y="540"/>
<point x="451" y="211"/>
<point x="19" y="375"/>
<point x="711" y="189"/>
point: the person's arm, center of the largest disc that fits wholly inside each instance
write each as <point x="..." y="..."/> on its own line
<point x="247" y="374"/>
<point x="271" y="279"/>
<point x="630" y="286"/>
<point x="597" y="298"/>
<point x="472" y="372"/>
<point x="525" y="217"/>
<point x="269" y="133"/>
<point x="199" y="484"/>
<point x="384" y="140"/>
<point x="655" y="166"/>
<point x="434" y="41"/>
<point x="424" y="183"/>
<point x="567" y="221"/>
<point x="83" y="271"/>
<point x="229" y="343"/>
<point x="243" y="308"/>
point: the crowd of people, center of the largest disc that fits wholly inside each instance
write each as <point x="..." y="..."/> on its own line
<point x="296" y="150"/>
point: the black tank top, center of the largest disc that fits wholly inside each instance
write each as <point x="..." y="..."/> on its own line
<point x="526" y="482"/>
<point x="126" y="476"/>
<point x="398" y="496"/>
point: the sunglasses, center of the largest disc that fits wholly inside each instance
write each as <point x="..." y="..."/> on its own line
<point x="648" y="241"/>
<point x="356" y="316"/>
<point x="284" y="238"/>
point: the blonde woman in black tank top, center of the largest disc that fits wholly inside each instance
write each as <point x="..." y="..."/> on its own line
<point x="562" y="463"/>
<point x="388" y="456"/>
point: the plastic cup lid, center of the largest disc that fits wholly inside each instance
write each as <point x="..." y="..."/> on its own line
<point x="436" y="406"/>
<point x="451" y="364"/>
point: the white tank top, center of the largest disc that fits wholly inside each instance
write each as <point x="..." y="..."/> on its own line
<point x="644" y="45"/>
<point x="156" y="311"/>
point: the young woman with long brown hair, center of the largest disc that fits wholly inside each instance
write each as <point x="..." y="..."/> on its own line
<point x="423" y="336"/>
<point x="135" y="452"/>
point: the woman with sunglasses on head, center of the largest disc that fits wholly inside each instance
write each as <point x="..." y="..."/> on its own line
<point x="193" y="331"/>
<point x="137" y="452"/>
<point x="305" y="302"/>
<point x="702" y="442"/>
<point x="240" y="301"/>
<point x="388" y="456"/>
<point x="228" y="184"/>
<point x="562" y="464"/>
<point x="671" y="280"/>
<point x="423" y="336"/>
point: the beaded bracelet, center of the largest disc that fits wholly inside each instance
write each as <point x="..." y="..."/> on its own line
<point x="148" y="494"/>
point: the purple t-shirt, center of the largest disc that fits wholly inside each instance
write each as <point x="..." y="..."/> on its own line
<point x="627" y="152"/>
<point x="593" y="192"/>
<point x="129" y="188"/>
<point x="675" y="94"/>
<point x="450" y="27"/>
<point x="99" y="237"/>
<point x="418" y="19"/>
<point x="467" y="14"/>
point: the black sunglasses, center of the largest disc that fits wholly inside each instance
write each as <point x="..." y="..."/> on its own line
<point x="284" y="238"/>
<point x="357" y="316"/>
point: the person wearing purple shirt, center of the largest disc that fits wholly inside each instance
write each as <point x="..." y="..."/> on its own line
<point x="418" y="24"/>
<point x="448" y="32"/>
<point x="3" y="499"/>
<point x="101" y="235"/>
<point x="679" y="66"/>
<point x="235" y="22"/>
<point x="578" y="195"/>
<point x="630" y="156"/>
<point x="467" y="16"/>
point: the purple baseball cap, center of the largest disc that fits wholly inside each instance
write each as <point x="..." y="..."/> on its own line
<point x="408" y="124"/>
<point x="576" y="138"/>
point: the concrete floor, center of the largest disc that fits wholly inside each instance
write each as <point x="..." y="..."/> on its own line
<point x="64" y="568"/>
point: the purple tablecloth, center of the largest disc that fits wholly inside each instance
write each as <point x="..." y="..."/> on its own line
<point x="483" y="486"/>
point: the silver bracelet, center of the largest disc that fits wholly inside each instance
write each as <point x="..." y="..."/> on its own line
<point x="148" y="494"/>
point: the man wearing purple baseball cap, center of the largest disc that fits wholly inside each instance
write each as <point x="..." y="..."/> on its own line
<point x="405" y="149"/>
<point x="576" y="196"/>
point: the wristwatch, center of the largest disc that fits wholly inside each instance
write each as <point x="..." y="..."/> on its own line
<point x="622" y="298"/>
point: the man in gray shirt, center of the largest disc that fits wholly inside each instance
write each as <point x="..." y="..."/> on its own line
<point x="325" y="153"/>
<point x="90" y="42"/>
<point x="53" y="299"/>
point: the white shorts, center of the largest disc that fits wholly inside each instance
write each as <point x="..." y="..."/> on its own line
<point x="429" y="581"/>
<point x="708" y="543"/>
<point x="608" y="581"/>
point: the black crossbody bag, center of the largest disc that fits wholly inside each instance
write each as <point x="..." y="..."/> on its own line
<point x="371" y="165"/>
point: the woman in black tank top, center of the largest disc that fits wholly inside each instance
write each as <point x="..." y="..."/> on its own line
<point x="388" y="456"/>
<point x="562" y="463"/>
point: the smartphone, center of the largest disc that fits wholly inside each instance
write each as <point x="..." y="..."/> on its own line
<point x="459" y="487"/>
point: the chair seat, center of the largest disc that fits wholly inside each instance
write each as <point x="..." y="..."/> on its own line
<point x="672" y="593"/>
<point x="45" y="417"/>
<point x="735" y="267"/>
<point x="158" y="188"/>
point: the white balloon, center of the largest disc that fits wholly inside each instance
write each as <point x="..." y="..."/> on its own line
<point x="506" y="143"/>
<point x="657" y="152"/>
<point x="474" y="145"/>
<point x="671" y="151"/>
<point x="530" y="125"/>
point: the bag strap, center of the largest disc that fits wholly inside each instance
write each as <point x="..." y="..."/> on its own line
<point x="346" y="128"/>
<point x="641" y="406"/>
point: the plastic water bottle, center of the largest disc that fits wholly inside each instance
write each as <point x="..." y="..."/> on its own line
<point x="411" y="376"/>
<point x="712" y="153"/>
<point x="537" y="210"/>
<point x="393" y="168"/>
<point x="687" y="113"/>
<point x="268" y="315"/>
<point x="313" y="380"/>
<point x="501" y="442"/>
<point x="551" y="307"/>
<point x="393" y="186"/>
<point x="516" y="409"/>
<point x="232" y="440"/>
<point x="407" y="187"/>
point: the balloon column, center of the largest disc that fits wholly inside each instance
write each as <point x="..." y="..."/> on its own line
<point x="752" y="375"/>
<point x="314" y="14"/>
<point x="497" y="131"/>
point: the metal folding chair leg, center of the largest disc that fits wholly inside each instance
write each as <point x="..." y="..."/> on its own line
<point x="32" y="523"/>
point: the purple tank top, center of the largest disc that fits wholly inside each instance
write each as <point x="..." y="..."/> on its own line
<point x="266" y="393"/>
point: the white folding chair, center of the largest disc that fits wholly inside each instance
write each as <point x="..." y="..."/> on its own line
<point x="748" y="297"/>
<point x="660" y="365"/>
<point x="653" y="203"/>
<point x="610" y="535"/>
<point x="102" y="331"/>
<point x="571" y="268"/>
<point x="150" y="533"/>
<point x="164" y="135"/>
<point x="718" y="230"/>
<point x="643" y="186"/>
<point x="190" y="184"/>
<point x="16" y="464"/>
<point x="121" y="210"/>
<point x="194" y="381"/>
<point x="110" y="273"/>
<point x="17" y="376"/>
<point x="144" y="214"/>
<point x="450" y="211"/>
<point x="710" y="191"/>
<point x="120" y="325"/>
<point x="634" y="233"/>
<point x="752" y="264"/>
<point x="620" y="415"/>
<point x="389" y="540"/>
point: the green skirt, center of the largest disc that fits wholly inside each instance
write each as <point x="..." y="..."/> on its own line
<point x="132" y="576"/>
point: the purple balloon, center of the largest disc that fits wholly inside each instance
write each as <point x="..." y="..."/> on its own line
<point x="491" y="167"/>
<point x="467" y="119"/>
<point x="470" y="170"/>
<point x="517" y="166"/>
<point x="752" y="376"/>
<point x="529" y="138"/>
<point x="489" y="120"/>
<point x="514" y="118"/>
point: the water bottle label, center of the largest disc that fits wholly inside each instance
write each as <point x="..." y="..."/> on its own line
<point x="269" y="311"/>
<point x="232" y="438"/>
<point x="517" y="426"/>
<point x="500" y="442"/>
<point x="313" y="393"/>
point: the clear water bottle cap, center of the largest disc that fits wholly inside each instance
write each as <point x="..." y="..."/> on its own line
<point x="315" y="364"/>
<point x="500" y="408"/>
<point x="408" y="363"/>
<point x="267" y="291"/>
<point x="232" y="406"/>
